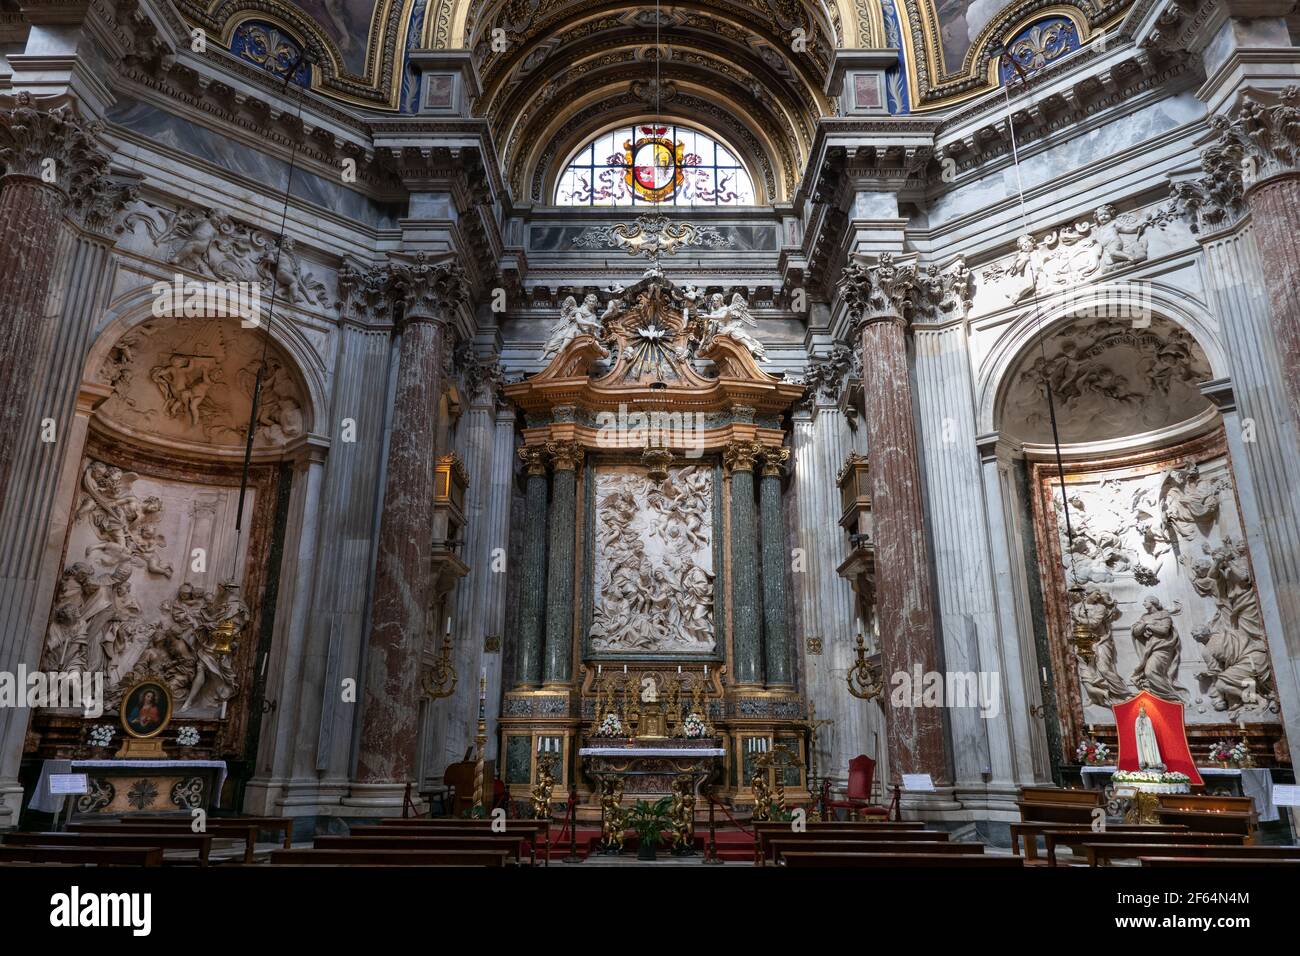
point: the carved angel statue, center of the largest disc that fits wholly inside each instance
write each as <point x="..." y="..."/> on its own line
<point x="1189" y="504"/>
<point x="734" y="321"/>
<point x="574" y="320"/>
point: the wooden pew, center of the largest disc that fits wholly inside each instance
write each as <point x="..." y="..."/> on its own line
<point x="1077" y="838"/>
<point x="780" y="847"/>
<point x="538" y="831"/>
<point x="335" y="857"/>
<point x="1031" y="830"/>
<point x="199" y="842"/>
<point x="1057" y="805"/>
<point x="1101" y="854"/>
<point x="513" y="843"/>
<point x="223" y="830"/>
<point x="812" y="858"/>
<point x="1214" y="861"/>
<point x="83" y="855"/>
<point x="281" y="826"/>
<point x="1210" y="821"/>
<point x="848" y="829"/>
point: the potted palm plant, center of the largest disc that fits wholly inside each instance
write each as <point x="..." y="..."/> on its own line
<point x="649" y="820"/>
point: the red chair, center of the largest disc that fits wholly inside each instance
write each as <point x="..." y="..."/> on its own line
<point x="857" y="800"/>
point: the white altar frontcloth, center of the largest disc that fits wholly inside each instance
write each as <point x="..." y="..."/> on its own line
<point x="47" y="802"/>
<point x="652" y="752"/>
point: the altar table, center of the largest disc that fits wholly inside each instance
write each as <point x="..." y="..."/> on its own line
<point x="1253" y="782"/>
<point x="135" y="786"/>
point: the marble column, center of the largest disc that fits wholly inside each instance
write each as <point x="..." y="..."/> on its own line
<point x="388" y="747"/>
<point x="1262" y="435"/>
<point x="52" y="162"/>
<point x="776" y="625"/>
<point x="561" y="568"/>
<point x="879" y="296"/>
<point x="496" y="529"/>
<point x="746" y="602"/>
<point x="532" y="570"/>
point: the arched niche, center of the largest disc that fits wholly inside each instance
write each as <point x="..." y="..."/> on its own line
<point x="1152" y="562"/>
<point x="151" y="543"/>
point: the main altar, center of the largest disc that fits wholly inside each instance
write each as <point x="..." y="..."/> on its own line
<point x="654" y="633"/>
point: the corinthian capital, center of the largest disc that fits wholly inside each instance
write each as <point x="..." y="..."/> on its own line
<point x="1218" y="198"/>
<point x="774" y="461"/>
<point x="1269" y="136"/>
<point x="433" y="290"/>
<point x="54" y="145"/>
<point x="944" y="293"/>
<point x="534" y="459"/>
<point x="365" y="293"/>
<point x="740" y="455"/>
<point x="883" y="291"/>
<point x="565" y="455"/>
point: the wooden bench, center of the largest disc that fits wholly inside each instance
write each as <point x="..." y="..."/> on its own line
<point x="222" y="830"/>
<point x="199" y="842"/>
<point x="513" y="843"/>
<point x="1211" y="821"/>
<point x="1213" y="861"/>
<point x="1077" y="838"/>
<point x="764" y="831"/>
<point x="493" y="857"/>
<point x="821" y="845"/>
<point x="1100" y="854"/>
<point x="281" y="826"/>
<point x="538" y="831"/>
<point x="811" y="858"/>
<point x="1031" y="830"/>
<point x="83" y="855"/>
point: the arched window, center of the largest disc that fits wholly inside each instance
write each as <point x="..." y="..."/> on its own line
<point x="654" y="165"/>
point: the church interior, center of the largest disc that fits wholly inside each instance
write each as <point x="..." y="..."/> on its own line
<point x="583" y="433"/>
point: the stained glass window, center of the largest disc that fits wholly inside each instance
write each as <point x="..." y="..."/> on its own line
<point x="654" y="165"/>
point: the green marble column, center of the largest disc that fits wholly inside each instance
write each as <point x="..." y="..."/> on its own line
<point x="565" y="456"/>
<point x="776" y="627"/>
<point x="746" y="605"/>
<point x="532" y="571"/>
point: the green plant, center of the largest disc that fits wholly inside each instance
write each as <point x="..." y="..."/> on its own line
<point x="649" y="820"/>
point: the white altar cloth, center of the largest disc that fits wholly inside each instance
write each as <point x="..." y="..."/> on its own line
<point x="47" y="802"/>
<point x="652" y="752"/>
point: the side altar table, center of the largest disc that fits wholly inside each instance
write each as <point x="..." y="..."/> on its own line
<point x="135" y="786"/>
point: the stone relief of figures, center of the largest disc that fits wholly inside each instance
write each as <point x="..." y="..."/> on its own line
<point x="653" y="575"/>
<point x="107" y="615"/>
<point x="734" y="320"/>
<point x="193" y="380"/>
<point x="217" y="246"/>
<point x="574" y="320"/>
<point x="1158" y="555"/>
<point x="1087" y="250"/>
<point x="1109" y="379"/>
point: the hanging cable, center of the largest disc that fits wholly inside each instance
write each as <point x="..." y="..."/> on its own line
<point x="1042" y="344"/>
<point x="270" y="315"/>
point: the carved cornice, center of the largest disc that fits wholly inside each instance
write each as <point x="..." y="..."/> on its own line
<point x="883" y="291"/>
<point x="741" y="454"/>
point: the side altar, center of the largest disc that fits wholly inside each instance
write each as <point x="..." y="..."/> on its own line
<point x="654" y="634"/>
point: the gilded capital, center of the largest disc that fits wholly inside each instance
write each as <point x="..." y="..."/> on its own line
<point x="534" y="459"/>
<point x="740" y="455"/>
<point x="565" y="455"/>
<point x="774" y="461"/>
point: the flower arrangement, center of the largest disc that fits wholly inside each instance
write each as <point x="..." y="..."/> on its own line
<point x="693" y="727"/>
<point x="611" y="726"/>
<point x="187" y="736"/>
<point x="1149" y="776"/>
<point x="1225" y="753"/>
<point x="1092" y="752"/>
<point x="101" y="735"/>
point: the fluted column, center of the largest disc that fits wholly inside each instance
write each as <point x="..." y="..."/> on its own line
<point x="776" y="626"/>
<point x="565" y="456"/>
<point x="390" y="716"/>
<point x="52" y="161"/>
<point x="879" y="296"/>
<point x="532" y="570"/>
<point x="746" y="606"/>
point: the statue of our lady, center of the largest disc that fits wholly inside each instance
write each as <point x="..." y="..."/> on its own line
<point x="1147" y="748"/>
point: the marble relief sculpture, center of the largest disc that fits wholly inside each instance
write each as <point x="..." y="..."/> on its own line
<point x="1238" y="672"/>
<point x="653" y="574"/>
<point x="1189" y="505"/>
<point x="1097" y="610"/>
<point x="1159" y="651"/>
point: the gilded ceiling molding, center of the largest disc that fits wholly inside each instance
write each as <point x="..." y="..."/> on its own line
<point x="359" y="49"/>
<point x="943" y="70"/>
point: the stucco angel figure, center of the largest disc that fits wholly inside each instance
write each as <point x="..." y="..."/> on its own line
<point x="734" y="321"/>
<point x="575" y="320"/>
<point x="1159" y="650"/>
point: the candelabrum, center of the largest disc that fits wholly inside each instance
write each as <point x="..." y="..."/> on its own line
<point x="673" y="710"/>
<point x="439" y="679"/>
<point x="480" y="742"/>
<point x="864" y="678"/>
<point x="813" y="725"/>
<point x="699" y="705"/>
